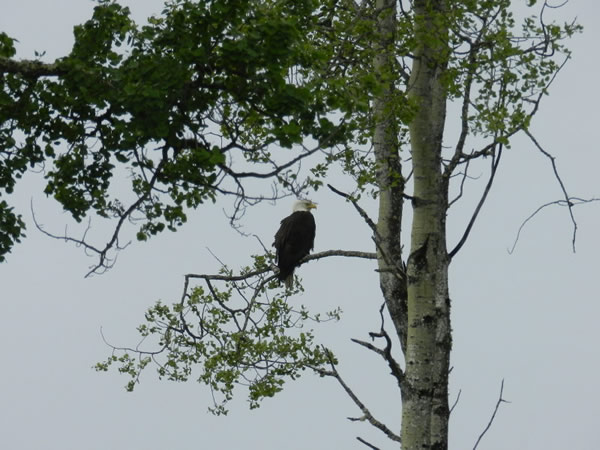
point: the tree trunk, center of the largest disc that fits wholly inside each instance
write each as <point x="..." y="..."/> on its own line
<point x="425" y="391"/>
<point x="419" y="306"/>
<point x="392" y="277"/>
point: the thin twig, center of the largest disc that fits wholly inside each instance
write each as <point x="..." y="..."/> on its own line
<point x="385" y="353"/>
<point x="366" y="413"/>
<point x="369" y="346"/>
<point x="456" y="401"/>
<point x="104" y="262"/>
<point x="360" y="210"/>
<point x="371" y="446"/>
<point x="560" y="182"/>
<point x="462" y="184"/>
<point x="500" y="400"/>
<point x="400" y="273"/>
<point x="488" y="187"/>
<point x="573" y="201"/>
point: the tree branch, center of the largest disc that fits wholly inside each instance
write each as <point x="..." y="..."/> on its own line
<point x="463" y="239"/>
<point x="567" y="199"/>
<point x="104" y="261"/>
<point x="400" y="271"/>
<point x="371" y="446"/>
<point x="386" y="352"/>
<point x="570" y="202"/>
<point x="360" y="210"/>
<point x="464" y="115"/>
<point x="500" y="400"/>
<point x="78" y="242"/>
<point x="455" y="402"/>
<point x="314" y="256"/>
<point x="366" y="413"/>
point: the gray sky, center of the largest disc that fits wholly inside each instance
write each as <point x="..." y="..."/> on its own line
<point x="529" y="318"/>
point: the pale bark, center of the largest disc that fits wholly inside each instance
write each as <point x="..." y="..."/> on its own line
<point x="392" y="276"/>
<point x="418" y="305"/>
<point x="425" y="394"/>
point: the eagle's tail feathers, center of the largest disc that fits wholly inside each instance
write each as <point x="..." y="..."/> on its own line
<point x="289" y="281"/>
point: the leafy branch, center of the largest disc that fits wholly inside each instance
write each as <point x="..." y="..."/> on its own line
<point x="232" y="329"/>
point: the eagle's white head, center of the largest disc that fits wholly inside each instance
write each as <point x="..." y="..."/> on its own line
<point x="303" y="205"/>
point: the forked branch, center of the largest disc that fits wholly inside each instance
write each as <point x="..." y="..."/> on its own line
<point x="567" y="199"/>
<point x="500" y="400"/>
<point x="399" y="269"/>
<point x="386" y="352"/>
<point x="367" y="416"/>
<point x="105" y="262"/>
<point x="571" y="202"/>
<point x="488" y="187"/>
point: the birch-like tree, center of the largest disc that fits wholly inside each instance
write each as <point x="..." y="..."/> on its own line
<point x="211" y="96"/>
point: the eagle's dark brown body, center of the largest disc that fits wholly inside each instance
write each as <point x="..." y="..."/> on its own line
<point x="293" y="241"/>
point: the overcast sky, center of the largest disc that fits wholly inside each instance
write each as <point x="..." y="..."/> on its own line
<point x="529" y="318"/>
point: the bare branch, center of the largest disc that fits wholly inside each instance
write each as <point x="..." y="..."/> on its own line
<point x="488" y="149"/>
<point x="455" y="401"/>
<point x="140" y="353"/>
<point x="465" y="175"/>
<point x="274" y="172"/>
<point x="560" y="182"/>
<point x="104" y="261"/>
<point x="570" y="202"/>
<point x="400" y="272"/>
<point x="264" y="247"/>
<point x="325" y="254"/>
<point x="463" y="239"/>
<point x="366" y="413"/>
<point x="369" y="346"/>
<point x="371" y="446"/>
<point x="500" y="400"/>
<point x="65" y="237"/>
<point x="360" y="210"/>
<point x="386" y="352"/>
<point x="345" y="253"/>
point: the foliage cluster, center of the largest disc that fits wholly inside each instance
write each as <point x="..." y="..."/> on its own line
<point x="175" y="105"/>
<point x="243" y="333"/>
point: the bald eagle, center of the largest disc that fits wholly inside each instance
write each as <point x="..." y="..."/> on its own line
<point x="294" y="240"/>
